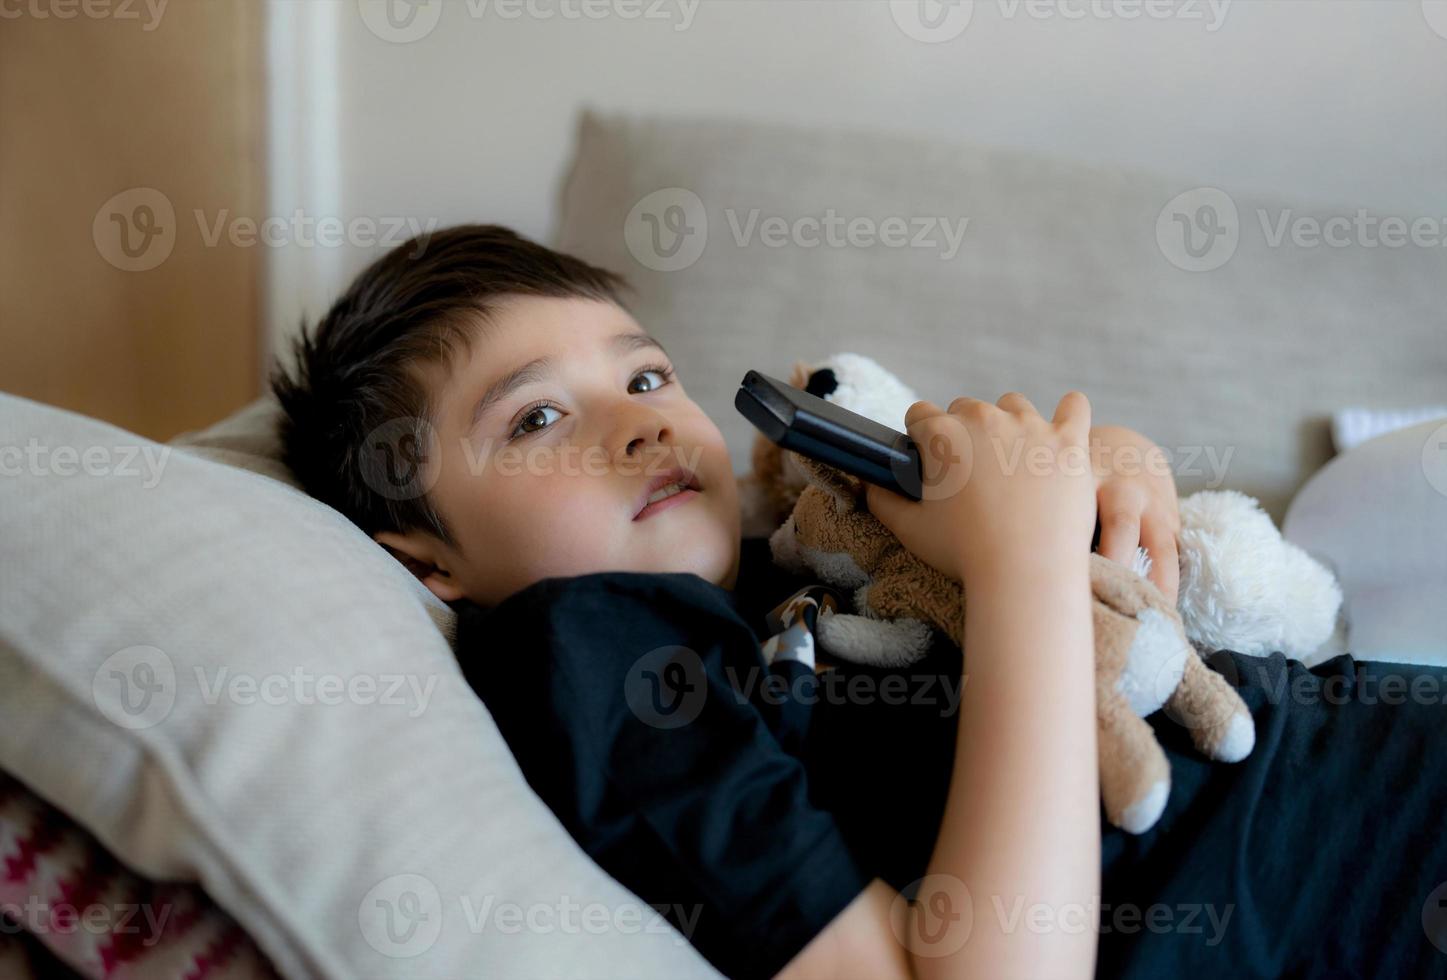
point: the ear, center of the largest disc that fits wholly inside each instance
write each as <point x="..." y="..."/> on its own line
<point x="422" y="554"/>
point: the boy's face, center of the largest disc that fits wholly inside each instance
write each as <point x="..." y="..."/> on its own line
<point x="549" y="478"/>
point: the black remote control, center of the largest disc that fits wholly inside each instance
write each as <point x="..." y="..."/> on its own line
<point x="807" y="424"/>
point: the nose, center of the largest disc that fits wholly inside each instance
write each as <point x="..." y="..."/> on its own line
<point x="645" y="427"/>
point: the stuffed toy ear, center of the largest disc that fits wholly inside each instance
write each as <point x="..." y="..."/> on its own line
<point x="799" y="374"/>
<point x="768" y="492"/>
<point x="847" y="490"/>
<point x="853" y="381"/>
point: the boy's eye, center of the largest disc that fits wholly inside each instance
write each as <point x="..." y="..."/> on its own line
<point x="530" y="415"/>
<point x="533" y="412"/>
<point x="663" y="373"/>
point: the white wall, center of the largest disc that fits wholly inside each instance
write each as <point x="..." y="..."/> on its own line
<point x="1338" y="101"/>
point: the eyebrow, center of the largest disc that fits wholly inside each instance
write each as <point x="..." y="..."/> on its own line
<point x="542" y="367"/>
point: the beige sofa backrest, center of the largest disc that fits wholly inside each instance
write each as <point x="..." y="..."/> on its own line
<point x="1066" y="277"/>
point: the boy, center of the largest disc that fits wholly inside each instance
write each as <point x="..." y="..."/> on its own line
<point x="488" y="411"/>
<point x="414" y="340"/>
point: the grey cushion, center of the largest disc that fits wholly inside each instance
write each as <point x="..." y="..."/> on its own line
<point x="1059" y="283"/>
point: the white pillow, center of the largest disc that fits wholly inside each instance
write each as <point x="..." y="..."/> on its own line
<point x="1377" y="516"/>
<point x="249" y="439"/>
<point x="142" y="592"/>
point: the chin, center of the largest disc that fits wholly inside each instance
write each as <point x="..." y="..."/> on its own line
<point x="708" y="562"/>
<point x="701" y="543"/>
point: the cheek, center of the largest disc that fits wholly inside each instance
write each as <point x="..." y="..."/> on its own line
<point x="716" y="468"/>
<point x="537" y="499"/>
<point x="705" y="436"/>
<point x="526" y="527"/>
<point x="718" y="452"/>
<point x="563" y="514"/>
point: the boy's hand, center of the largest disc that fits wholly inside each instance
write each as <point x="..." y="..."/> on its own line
<point x="1001" y="485"/>
<point x="1137" y="503"/>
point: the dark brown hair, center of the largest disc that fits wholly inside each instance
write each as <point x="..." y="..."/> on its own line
<point x="422" y="302"/>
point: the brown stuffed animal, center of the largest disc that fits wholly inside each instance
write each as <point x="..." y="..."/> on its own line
<point x="1143" y="658"/>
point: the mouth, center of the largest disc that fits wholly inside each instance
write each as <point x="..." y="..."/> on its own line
<point x="677" y="486"/>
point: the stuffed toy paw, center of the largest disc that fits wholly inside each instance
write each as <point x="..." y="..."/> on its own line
<point x="1243" y="588"/>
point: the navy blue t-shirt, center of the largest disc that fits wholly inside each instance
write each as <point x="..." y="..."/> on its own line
<point x="636" y="706"/>
<point x="752" y="812"/>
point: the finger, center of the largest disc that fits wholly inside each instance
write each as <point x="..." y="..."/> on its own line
<point x="1158" y="539"/>
<point x="1013" y="401"/>
<point x="965" y="403"/>
<point x="920" y="411"/>
<point x="1120" y="532"/>
<point x="1073" y="414"/>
